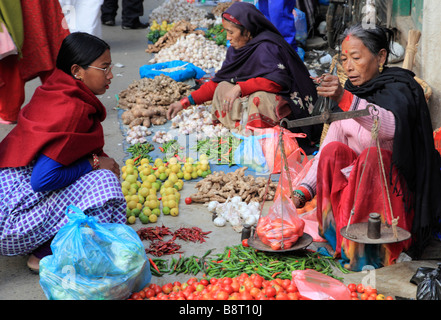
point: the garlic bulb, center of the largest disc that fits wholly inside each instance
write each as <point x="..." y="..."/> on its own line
<point x="200" y="51"/>
<point x="219" y="222"/>
<point x="137" y="134"/>
<point x="236" y="212"/>
<point x="212" y="205"/>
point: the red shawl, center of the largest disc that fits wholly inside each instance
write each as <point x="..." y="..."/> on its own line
<point x="44" y="31"/>
<point x="62" y="121"/>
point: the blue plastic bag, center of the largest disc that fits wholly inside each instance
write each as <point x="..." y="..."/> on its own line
<point x="94" y="261"/>
<point x="301" y="26"/>
<point x="177" y="70"/>
<point x="250" y="154"/>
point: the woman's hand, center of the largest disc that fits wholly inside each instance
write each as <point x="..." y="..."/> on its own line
<point x="173" y="109"/>
<point x="330" y="87"/>
<point x="230" y="96"/>
<point x="109" y="164"/>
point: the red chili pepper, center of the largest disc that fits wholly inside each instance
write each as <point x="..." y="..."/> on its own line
<point x="161" y="148"/>
<point x="229" y="253"/>
<point x="154" y="265"/>
<point x="137" y="158"/>
<point x="275" y="274"/>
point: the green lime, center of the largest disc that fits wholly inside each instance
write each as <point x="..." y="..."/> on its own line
<point x="143" y="218"/>
<point x="136" y="212"/>
<point x="156" y="212"/>
<point x="156" y="185"/>
<point x="166" y="210"/>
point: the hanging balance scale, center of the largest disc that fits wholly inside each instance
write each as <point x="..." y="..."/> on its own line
<point x="374" y="231"/>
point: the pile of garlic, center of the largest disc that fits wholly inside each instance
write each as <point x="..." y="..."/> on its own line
<point x="196" y="49"/>
<point x="198" y="120"/>
<point x="162" y="137"/>
<point x="177" y="10"/>
<point x="236" y="212"/>
<point x="137" y="134"/>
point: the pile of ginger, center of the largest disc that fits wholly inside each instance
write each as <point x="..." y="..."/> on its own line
<point x="220" y="186"/>
<point x="146" y="101"/>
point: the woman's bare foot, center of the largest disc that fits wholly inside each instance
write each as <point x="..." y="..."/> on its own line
<point x="34" y="263"/>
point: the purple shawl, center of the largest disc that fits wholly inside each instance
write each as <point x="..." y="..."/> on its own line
<point x="266" y="55"/>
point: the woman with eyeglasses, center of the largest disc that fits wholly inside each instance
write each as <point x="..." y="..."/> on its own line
<point x="54" y="156"/>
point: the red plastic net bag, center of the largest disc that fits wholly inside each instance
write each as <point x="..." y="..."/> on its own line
<point x="269" y="144"/>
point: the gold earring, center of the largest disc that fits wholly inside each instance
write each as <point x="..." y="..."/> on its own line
<point x="381" y="68"/>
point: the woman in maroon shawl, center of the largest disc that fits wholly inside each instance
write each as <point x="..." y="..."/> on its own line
<point x="54" y="156"/>
<point x="261" y="68"/>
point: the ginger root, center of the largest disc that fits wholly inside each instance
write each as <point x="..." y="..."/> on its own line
<point x="220" y="186"/>
<point x="146" y="101"/>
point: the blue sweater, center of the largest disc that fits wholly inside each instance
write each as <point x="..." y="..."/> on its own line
<point x="49" y="175"/>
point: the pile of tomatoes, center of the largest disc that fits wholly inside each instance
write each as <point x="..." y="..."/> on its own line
<point x="242" y="287"/>
<point x="362" y="292"/>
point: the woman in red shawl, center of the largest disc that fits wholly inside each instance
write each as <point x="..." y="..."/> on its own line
<point x="349" y="177"/>
<point x="264" y="70"/>
<point x="51" y="158"/>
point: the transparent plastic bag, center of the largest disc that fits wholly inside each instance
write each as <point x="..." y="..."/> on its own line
<point x="250" y="154"/>
<point x="94" y="261"/>
<point x="281" y="228"/>
<point x="314" y="285"/>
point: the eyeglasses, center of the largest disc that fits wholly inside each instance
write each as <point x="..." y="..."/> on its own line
<point x="105" y="70"/>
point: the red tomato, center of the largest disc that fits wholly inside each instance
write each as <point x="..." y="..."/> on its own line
<point x="270" y="292"/>
<point x="285" y="283"/>
<point x="142" y="294"/>
<point x="245" y="243"/>
<point x="254" y="292"/>
<point x="135" y="296"/>
<point x="213" y="280"/>
<point x="235" y="285"/>
<point x="205" y="282"/>
<point x="188" y="200"/>
<point x="291" y="288"/>
<point x="149" y="293"/>
<point x="369" y="290"/>
<point x="389" y="298"/>
<point x="360" y="288"/>
<point x="192" y="280"/>
<point x="228" y="288"/>
<point x="246" y="295"/>
<point x="293" y="296"/>
<point x="352" y="287"/>
<point x="364" y="296"/>
<point x="222" y="295"/>
<point x="167" y="288"/>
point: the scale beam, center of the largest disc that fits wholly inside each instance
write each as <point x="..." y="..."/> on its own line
<point x="326" y="117"/>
